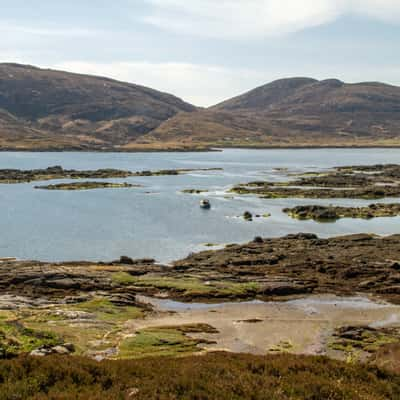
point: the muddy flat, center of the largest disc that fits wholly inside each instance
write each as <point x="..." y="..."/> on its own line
<point x="302" y="326"/>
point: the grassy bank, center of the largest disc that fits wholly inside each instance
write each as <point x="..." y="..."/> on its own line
<point x="215" y="376"/>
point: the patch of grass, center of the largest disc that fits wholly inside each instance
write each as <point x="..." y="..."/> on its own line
<point x="6" y="315"/>
<point x="16" y="338"/>
<point x="184" y="284"/>
<point x="123" y="278"/>
<point x="100" y="319"/>
<point x="163" y="341"/>
<point x="284" y="346"/>
<point x="107" y="311"/>
<point x="190" y="286"/>
<point x="353" y="342"/>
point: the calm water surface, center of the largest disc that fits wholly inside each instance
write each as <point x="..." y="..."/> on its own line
<point x="158" y="220"/>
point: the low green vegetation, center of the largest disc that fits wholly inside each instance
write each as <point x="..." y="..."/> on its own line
<point x="123" y="278"/>
<point x="189" y="287"/>
<point x="16" y="338"/>
<point x="84" y="324"/>
<point x="356" y="342"/>
<point x="164" y="341"/>
<point x="105" y="310"/>
<point x="213" y="376"/>
<point x="186" y="285"/>
<point x="284" y="346"/>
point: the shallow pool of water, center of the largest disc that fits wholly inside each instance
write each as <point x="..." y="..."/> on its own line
<point x="310" y="304"/>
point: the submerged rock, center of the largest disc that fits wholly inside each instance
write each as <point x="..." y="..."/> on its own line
<point x="248" y="216"/>
<point x="194" y="191"/>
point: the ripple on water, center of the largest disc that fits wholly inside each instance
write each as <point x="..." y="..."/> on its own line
<point x="164" y="225"/>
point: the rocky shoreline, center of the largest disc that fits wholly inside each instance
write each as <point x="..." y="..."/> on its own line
<point x="302" y="264"/>
<point x="108" y="310"/>
<point x="87" y="186"/>
<point x="93" y="308"/>
<point x="57" y="172"/>
<point x="268" y="269"/>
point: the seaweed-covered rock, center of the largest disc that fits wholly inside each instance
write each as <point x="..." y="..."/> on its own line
<point x="248" y="216"/>
<point x="333" y="213"/>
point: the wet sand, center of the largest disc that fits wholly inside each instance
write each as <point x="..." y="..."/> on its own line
<point x="300" y="326"/>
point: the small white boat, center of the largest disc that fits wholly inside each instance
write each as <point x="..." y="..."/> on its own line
<point x="205" y="204"/>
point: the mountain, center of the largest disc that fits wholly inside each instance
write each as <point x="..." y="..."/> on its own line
<point x="267" y="95"/>
<point x="43" y="109"/>
<point x="294" y="112"/>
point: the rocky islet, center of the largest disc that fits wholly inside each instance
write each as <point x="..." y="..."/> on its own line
<point x="354" y="182"/>
<point x="57" y="172"/>
<point x="333" y="213"/>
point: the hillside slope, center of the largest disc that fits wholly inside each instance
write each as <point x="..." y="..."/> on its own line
<point x="52" y="109"/>
<point x="295" y="112"/>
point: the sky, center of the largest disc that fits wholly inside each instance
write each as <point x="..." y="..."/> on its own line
<point x="206" y="51"/>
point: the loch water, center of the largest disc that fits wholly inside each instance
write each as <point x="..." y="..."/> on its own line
<point x="157" y="220"/>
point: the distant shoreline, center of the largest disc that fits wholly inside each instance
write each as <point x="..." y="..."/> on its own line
<point x="196" y="150"/>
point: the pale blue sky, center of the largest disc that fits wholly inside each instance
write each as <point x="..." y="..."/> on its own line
<point x="206" y="50"/>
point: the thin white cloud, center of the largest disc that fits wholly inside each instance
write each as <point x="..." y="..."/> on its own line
<point x="206" y="85"/>
<point x="203" y="85"/>
<point x="387" y="10"/>
<point x="259" y="18"/>
<point x="9" y="28"/>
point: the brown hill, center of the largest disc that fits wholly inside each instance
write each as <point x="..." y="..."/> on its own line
<point x="52" y="109"/>
<point x="45" y="110"/>
<point x="295" y="112"/>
